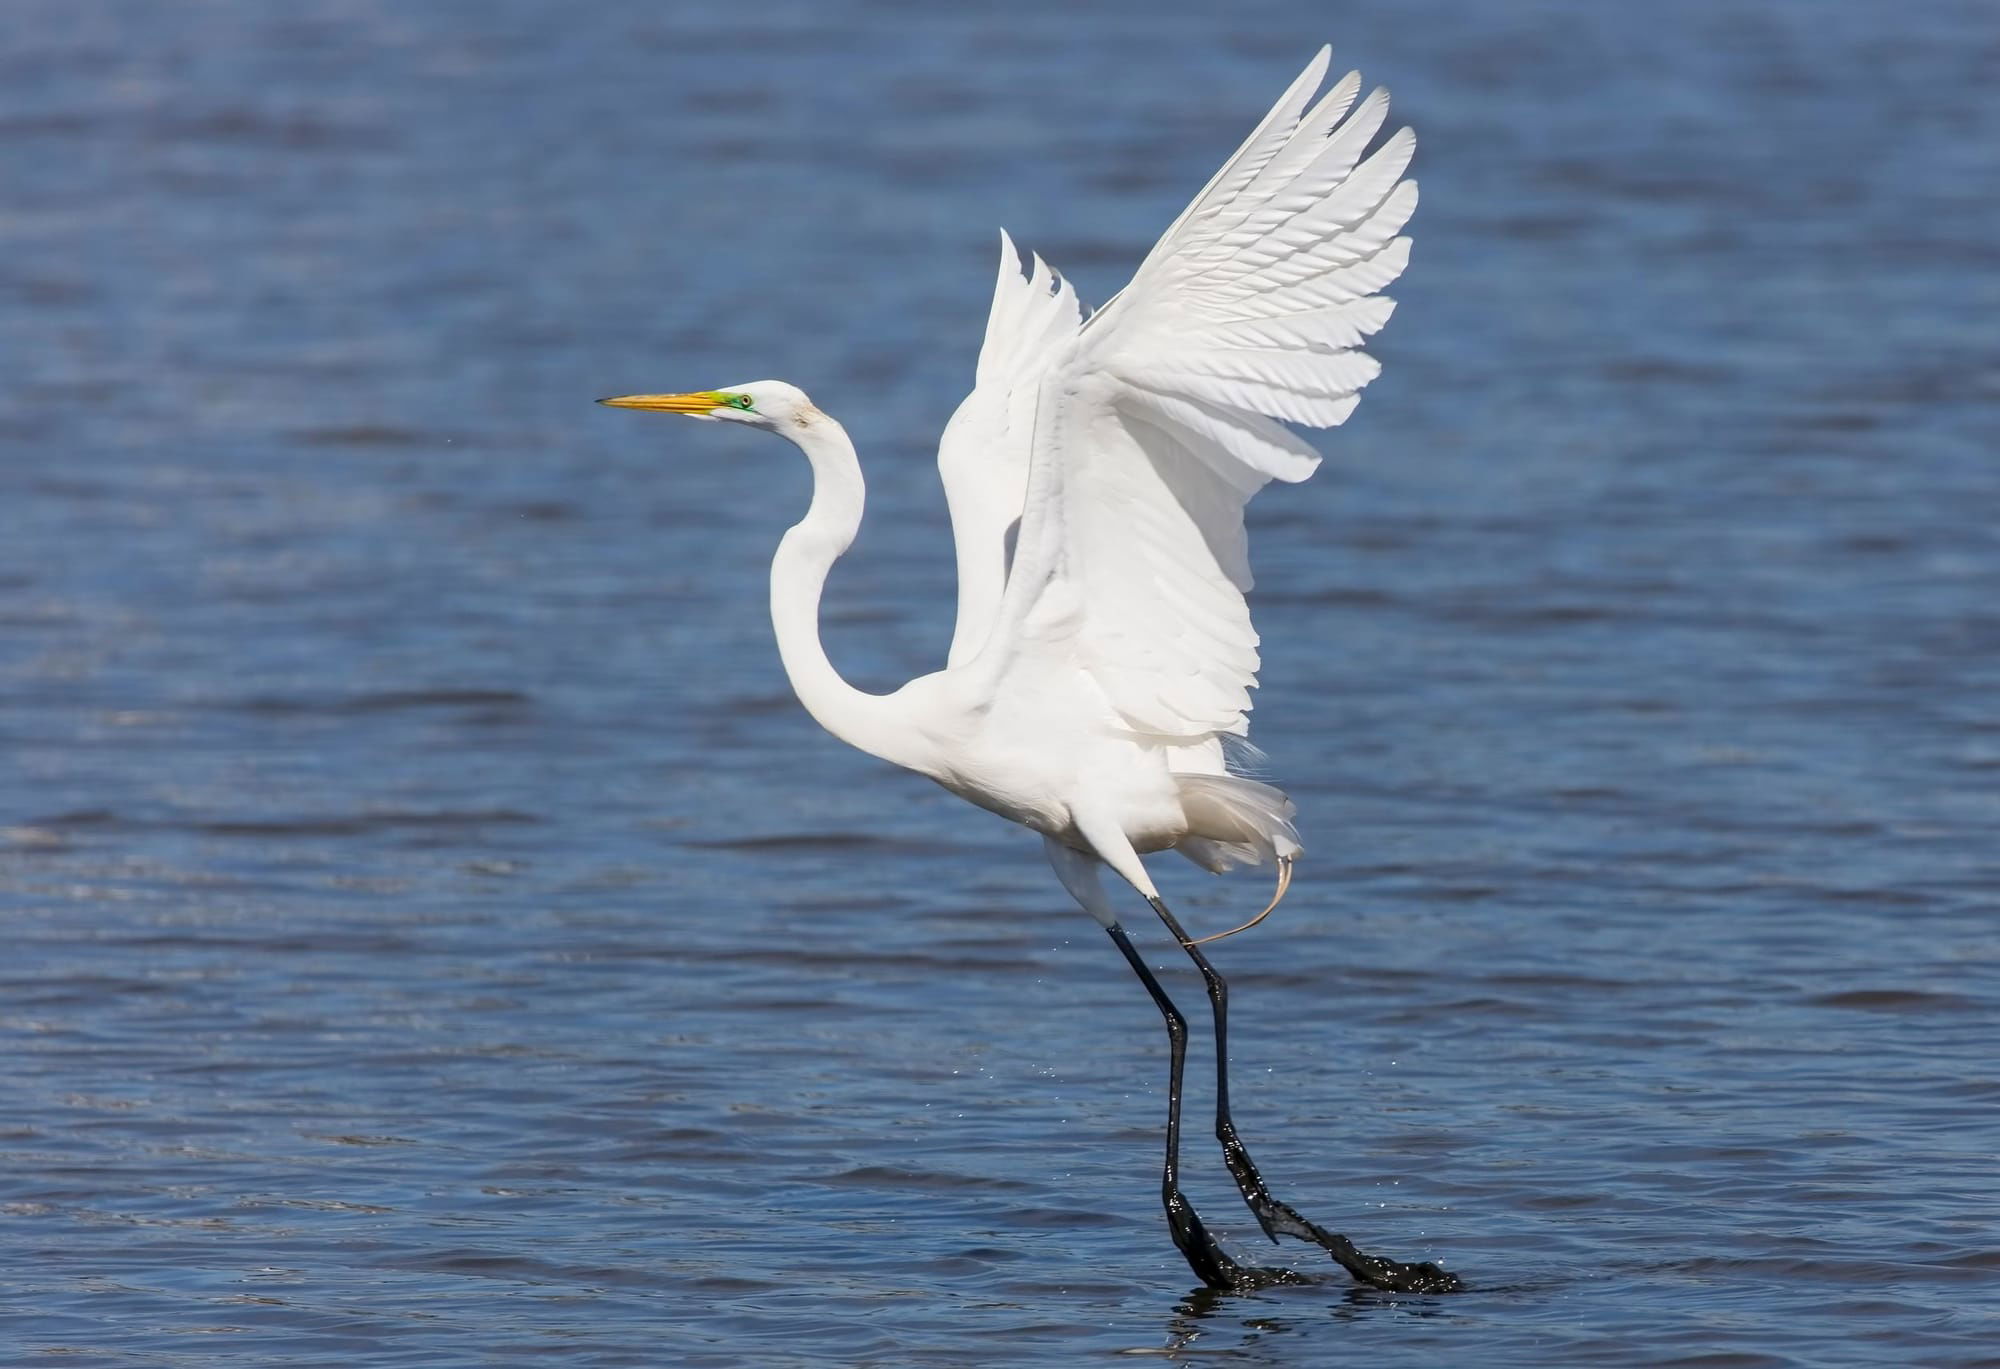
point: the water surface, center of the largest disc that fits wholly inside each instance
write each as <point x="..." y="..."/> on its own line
<point x="435" y="937"/>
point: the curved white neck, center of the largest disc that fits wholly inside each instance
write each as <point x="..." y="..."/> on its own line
<point x="870" y="722"/>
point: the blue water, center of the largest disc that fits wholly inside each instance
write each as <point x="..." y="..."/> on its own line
<point x="435" y="937"/>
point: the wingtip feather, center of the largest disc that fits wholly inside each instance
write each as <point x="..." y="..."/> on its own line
<point x="1316" y="68"/>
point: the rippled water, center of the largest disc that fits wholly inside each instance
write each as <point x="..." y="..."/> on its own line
<point x="434" y="936"/>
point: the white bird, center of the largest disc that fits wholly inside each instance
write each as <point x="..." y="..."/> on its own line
<point x="1096" y="477"/>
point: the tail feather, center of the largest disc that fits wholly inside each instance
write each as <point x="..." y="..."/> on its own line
<point x="1235" y="821"/>
<point x="1218" y="856"/>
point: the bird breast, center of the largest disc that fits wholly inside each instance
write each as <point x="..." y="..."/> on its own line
<point x="1034" y="761"/>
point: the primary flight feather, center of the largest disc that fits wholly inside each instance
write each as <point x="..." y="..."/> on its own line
<point x="1096" y="478"/>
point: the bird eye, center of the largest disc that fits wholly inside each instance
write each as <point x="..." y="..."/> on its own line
<point x="740" y="401"/>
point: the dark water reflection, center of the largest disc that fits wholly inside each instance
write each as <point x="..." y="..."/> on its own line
<point x="435" y="937"/>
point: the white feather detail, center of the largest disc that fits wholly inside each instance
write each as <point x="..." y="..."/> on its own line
<point x="1128" y="444"/>
<point x="1235" y="821"/>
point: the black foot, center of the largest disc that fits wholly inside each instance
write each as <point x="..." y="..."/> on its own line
<point x="1421" y="1277"/>
<point x="1219" y="1271"/>
<point x="1392" y="1276"/>
<point x="1197" y="1247"/>
<point x="1377" y="1271"/>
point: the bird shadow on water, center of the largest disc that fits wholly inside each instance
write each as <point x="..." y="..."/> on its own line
<point x="1237" y="1320"/>
<point x="1284" y="1310"/>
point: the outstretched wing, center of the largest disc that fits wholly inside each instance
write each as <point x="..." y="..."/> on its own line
<point x="1155" y="424"/>
<point x="983" y="457"/>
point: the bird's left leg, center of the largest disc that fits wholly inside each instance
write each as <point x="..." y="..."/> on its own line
<point x="1278" y="1218"/>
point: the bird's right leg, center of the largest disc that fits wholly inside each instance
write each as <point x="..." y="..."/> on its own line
<point x="1078" y="873"/>
<point x="1277" y="1218"/>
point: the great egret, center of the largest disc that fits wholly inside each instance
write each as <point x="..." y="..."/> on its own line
<point x="1096" y="477"/>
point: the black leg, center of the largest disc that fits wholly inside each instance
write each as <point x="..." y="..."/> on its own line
<point x="1203" y="1255"/>
<point x="1277" y="1218"/>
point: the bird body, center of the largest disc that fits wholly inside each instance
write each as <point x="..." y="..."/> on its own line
<point x="1096" y="478"/>
<point x="1044" y="747"/>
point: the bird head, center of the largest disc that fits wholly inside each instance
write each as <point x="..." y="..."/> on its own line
<point x="768" y="404"/>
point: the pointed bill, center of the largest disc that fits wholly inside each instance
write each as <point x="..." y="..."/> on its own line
<point x="697" y="402"/>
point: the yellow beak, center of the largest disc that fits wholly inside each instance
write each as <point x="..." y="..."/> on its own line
<point x="699" y="402"/>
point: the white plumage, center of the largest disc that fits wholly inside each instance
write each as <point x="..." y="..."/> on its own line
<point x="1155" y="417"/>
<point x="1096" y="478"/>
